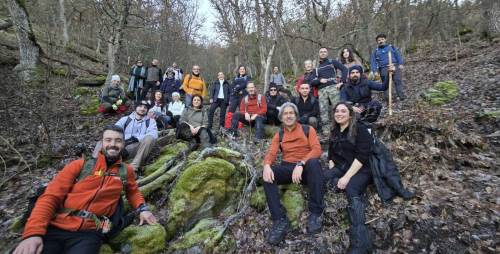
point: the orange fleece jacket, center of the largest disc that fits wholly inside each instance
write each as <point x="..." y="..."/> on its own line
<point x="295" y="146"/>
<point x="253" y="107"/>
<point x="195" y="86"/>
<point x="95" y="193"/>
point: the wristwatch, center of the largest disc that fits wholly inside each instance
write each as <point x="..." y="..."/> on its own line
<point x="300" y="164"/>
<point x="142" y="208"/>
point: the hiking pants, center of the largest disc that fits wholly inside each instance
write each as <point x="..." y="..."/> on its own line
<point x="148" y="85"/>
<point x="79" y="242"/>
<point x="258" y="123"/>
<point x="397" y="81"/>
<point x="140" y="150"/>
<point x="312" y="177"/>
<point x="272" y="117"/>
<point x="234" y="102"/>
<point x="358" y="183"/>
<point x="202" y="137"/>
<point x="327" y="96"/>
<point x="219" y="103"/>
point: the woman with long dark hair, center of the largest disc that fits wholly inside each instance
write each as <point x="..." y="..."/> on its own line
<point x="347" y="58"/>
<point x="158" y="110"/>
<point x="194" y="122"/>
<point x="348" y="157"/>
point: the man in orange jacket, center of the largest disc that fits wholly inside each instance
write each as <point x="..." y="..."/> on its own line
<point x="71" y="215"/>
<point x="253" y="108"/>
<point x="194" y="84"/>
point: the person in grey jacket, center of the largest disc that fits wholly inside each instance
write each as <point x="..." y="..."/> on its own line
<point x="113" y="99"/>
<point x="193" y="124"/>
<point x="154" y="77"/>
<point x="277" y="78"/>
<point x="219" y="98"/>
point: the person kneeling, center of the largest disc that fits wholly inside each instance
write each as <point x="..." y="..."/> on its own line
<point x="70" y="216"/>
<point x="193" y="124"/>
<point x="300" y="148"/>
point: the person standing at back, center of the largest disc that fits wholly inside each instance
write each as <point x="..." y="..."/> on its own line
<point x="379" y="63"/>
<point x="278" y="78"/>
<point x="153" y="79"/>
<point x="194" y="84"/>
<point x="219" y="98"/>
<point x="239" y="87"/>
<point x="136" y="80"/>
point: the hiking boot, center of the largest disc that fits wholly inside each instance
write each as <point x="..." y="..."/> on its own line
<point x="314" y="224"/>
<point x="395" y="183"/>
<point x="278" y="231"/>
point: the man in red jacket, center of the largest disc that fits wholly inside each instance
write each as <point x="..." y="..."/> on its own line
<point x="72" y="214"/>
<point x="253" y="108"/>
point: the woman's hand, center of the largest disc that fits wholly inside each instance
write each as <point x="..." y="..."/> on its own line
<point x="331" y="164"/>
<point x="342" y="183"/>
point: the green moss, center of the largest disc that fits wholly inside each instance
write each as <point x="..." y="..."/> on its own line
<point x="90" y="108"/>
<point x="270" y="131"/>
<point x="62" y="71"/>
<point x="141" y="239"/>
<point x="16" y="225"/>
<point x="487" y="114"/>
<point x="294" y="202"/>
<point x="205" y="236"/>
<point x="91" y="80"/>
<point x="82" y="91"/>
<point x="167" y="153"/>
<point x="106" y="249"/>
<point x="441" y="93"/>
<point x="258" y="199"/>
<point x="204" y="189"/>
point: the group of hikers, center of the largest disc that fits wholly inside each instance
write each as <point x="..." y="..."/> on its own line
<point x="74" y="212"/>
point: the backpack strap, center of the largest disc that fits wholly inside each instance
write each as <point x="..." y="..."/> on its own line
<point x="246" y="103"/>
<point x="281" y="133"/>
<point x="123" y="176"/>
<point x="129" y="119"/>
<point x="88" y="166"/>
<point x="259" y="100"/>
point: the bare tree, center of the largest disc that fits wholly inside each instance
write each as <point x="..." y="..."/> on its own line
<point x="62" y="18"/>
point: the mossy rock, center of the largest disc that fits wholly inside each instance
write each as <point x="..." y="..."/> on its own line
<point x="258" y="199"/>
<point x="294" y="203"/>
<point x="441" y="93"/>
<point x="167" y="153"/>
<point x="203" y="190"/>
<point x="147" y="239"/>
<point x="488" y="114"/>
<point x="61" y="71"/>
<point x="270" y="130"/>
<point x="82" y="91"/>
<point x="90" y="108"/>
<point x="205" y="237"/>
<point x="95" y="80"/>
<point x="106" y="249"/>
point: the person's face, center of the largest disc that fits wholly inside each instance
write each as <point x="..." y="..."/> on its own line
<point x="196" y="69"/>
<point x="154" y="62"/>
<point x="354" y="75"/>
<point x="112" y="144"/>
<point x="175" y="98"/>
<point x="196" y="102"/>
<point x="323" y="53"/>
<point x="174" y="65"/>
<point x="170" y="74"/>
<point x="158" y="96"/>
<point x="273" y="91"/>
<point x="381" y="41"/>
<point x="345" y="53"/>
<point x="308" y="66"/>
<point x="115" y="82"/>
<point x="288" y="117"/>
<point x="139" y="63"/>
<point x="141" y="110"/>
<point x="251" y="88"/>
<point x="220" y="76"/>
<point x="342" y="115"/>
<point x="242" y="70"/>
<point x="275" y="69"/>
<point x="304" y="90"/>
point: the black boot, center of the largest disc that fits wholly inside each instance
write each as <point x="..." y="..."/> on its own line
<point x="395" y="183"/>
<point x="314" y="223"/>
<point x="359" y="236"/>
<point x="278" y="231"/>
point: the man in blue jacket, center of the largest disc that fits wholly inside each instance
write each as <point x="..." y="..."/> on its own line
<point x="358" y="91"/>
<point x="219" y="98"/>
<point x="379" y="62"/>
<point x="326" y="82"/>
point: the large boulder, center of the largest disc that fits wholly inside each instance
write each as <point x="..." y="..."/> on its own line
<point x="205" y="237"/>
<point x="166" y="154"/>
<point x="203" y="190"/>
<point x="294" y="203"/>
<point x="91" y="80"/>
<point x="147" y="239"/>
<point x="441" y="93"/>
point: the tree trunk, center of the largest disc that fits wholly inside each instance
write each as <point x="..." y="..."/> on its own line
<point x="491" y="22"/>
<point x="29" y="50"/>
<point x="267" y="68"/>
<point x="115" y="41"/>
<point x="62" y="18"/>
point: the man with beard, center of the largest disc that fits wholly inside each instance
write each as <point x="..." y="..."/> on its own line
<point x="253" y="108"/>
<point x="71" y="216"/>
<point x="327" y="87"/>
<point x="274" y="101"/>
<point x="194" y="84"/>
<point x="300" y="164"/>
<point x="140" y="134"/>
<point x="358" y="91"/>
<point x="308" y="106"/>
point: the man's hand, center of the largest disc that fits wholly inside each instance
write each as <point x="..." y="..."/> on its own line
<point x="268" y="174"/>
<point x="119" y="102"/>
<point x="157" y="83"/>
<point x="339" y="85"/>
<point x="32" y="245"/>
<point x="331" y="164"/>
<point x="247" y="117"/>
<point x="343" y="181"/>
<point x="297" y="174"/>
<point x="193" y="130"/>
<point x="358" y="109"/>
<point x="323" y="80"/>
<point x="147" y="217"/>
<point x="253" y="117"/>
<point x="392" y="68"/>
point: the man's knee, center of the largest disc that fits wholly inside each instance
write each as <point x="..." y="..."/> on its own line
<point x="148" y="140"/>
<point x="313" y="166"/>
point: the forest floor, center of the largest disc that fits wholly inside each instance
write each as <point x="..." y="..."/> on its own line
<point x="447" y="154"/>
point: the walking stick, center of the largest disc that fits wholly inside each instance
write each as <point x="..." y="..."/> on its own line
<point x="390" y="83"/>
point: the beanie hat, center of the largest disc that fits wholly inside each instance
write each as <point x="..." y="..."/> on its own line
<point x="115" y="77"/>
<point x="143" y="102"/>
<point x="356" y="67"/>
<point x="272" y="85"/>
<point x="176" y="94"/>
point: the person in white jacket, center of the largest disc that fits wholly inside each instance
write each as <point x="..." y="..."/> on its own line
<point x="175" y="108"/>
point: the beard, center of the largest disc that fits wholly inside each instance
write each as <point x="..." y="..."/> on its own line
<point x="112" y="156"/>
<point x="354" y="79"/>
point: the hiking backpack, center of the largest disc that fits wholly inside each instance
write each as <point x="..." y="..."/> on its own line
<point x="281" y="133"/>
<point x="259" y="101"/>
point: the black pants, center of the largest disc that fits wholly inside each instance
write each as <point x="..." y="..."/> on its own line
<point x="148" y="85"/>
<point x="219" y="103"/>
<point x="397" y="81"/>
<point x="272" y="117"/>
<point x="312" y="176"/>
<point x="62" y="241"/>
<point x="358" y="183"/>
<point x="234" y="102"/>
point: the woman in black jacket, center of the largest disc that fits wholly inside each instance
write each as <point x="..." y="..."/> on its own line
<point x="348" y="156"/>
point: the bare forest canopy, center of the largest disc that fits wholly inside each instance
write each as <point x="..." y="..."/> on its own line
<point x="257" y="33"/>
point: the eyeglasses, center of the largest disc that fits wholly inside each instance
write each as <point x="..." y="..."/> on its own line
<point x="273" y="90"/>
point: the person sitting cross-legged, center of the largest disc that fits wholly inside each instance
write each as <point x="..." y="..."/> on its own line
<point x="300" y="148"/>
<point x="71" y="215"/>
<point x="193" y="124"/>
<point x="253" y="108"/>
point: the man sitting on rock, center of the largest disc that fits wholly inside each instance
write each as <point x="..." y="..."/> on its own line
<point x="113" y="97"/>
<point x="308" y="106"/>
<point x="141" y="133"/>
<point x="72" y="214"/>
<point x="300" y="148"/>
<point x="274" y="101"/>
<point x="253" y="108"/>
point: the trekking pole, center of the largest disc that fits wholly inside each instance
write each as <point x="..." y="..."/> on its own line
<point x="390" y="84"/>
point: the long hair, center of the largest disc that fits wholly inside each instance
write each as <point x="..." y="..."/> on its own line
<point x="201" y="98"/>
<point x="350" y="58"/>
<point x="238" y="70"/>
<point x="153" y="98"/>
<point x="353" y="128"/>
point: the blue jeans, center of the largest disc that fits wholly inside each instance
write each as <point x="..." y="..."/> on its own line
<point x="188" y="99"/>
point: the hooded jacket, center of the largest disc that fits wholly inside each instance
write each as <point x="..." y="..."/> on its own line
<point x="360" y="92"/>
